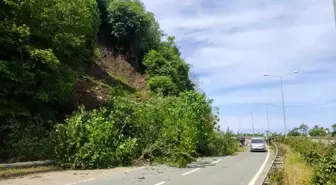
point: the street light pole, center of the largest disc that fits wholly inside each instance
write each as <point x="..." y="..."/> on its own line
<point x="268" y="129"/>
<point x="283" y="100"/>
<point x="252" y="123"/>
<point x="238" y="125"/>
<point x="283" y="107"/>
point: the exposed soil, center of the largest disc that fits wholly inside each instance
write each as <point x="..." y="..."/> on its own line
<point x="94" y="87"/>
<point x="117" y="67"/>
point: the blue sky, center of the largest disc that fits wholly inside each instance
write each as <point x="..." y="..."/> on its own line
<point x="232" y="43"/>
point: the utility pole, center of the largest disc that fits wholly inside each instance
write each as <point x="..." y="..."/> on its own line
<point x="238" y="126"/>
<point x="252" y="122"/>
<point x="283" y="108"/>
<point x="268" y="129"/>
<point x="283" y="100"/>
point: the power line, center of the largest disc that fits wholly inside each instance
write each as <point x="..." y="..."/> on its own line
<point x="312" y="105"/>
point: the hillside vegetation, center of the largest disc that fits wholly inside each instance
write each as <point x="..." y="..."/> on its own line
<point x="320" y="157"/>
<point x="97" y="84"/>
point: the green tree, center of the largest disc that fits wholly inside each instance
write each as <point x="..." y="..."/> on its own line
<point x="169" y="50"/>
<point x="174" y="67"/>
<point x="132" y="29"/>
<point x="333" y="132"/>
<point x="162" y="85"/>
<point x="294" y="132"/>
<point x="39" y="40"/>
<point x="303" y="129"/>
<point x="317" y="131"/>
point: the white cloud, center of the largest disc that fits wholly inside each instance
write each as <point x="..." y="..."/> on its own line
<point x="240" y="40"/>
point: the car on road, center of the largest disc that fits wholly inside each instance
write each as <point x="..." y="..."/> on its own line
<point x="258" y="144"/>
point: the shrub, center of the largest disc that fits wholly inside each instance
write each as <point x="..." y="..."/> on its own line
<point x="165" y="130"/>
<point x="93" y="139"/>
<point x="320" y="156"/>
<point x="222" y="144"/>
<point x="162" y="85"/>
<point x="131" y="27"/>
<point x="40" y="40"/>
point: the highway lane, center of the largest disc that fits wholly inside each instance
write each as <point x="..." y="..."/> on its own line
<point x="231" y="170"/>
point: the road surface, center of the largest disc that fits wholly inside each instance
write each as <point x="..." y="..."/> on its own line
<point x="243" y="169"/>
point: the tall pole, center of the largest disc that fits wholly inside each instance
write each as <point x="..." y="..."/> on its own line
<point x="283" y="108"/>
<point x="252" y="123"/>
<point x="268" y="129"/>
<point x="239" y="124"/>
<point x="283" y="100"/>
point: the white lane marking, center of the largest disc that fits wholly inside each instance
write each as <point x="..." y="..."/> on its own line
<point x="191" y="171"/>
<point x="216" y="161"/>
<point x="134" y="169"/>
<point x="160" y="183"/>
<point x="78" y="182"/>
<point x="252" y="182"/>
<point x="228" y="156"/>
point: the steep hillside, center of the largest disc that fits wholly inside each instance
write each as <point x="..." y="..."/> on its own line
<point x="94" y="84"/>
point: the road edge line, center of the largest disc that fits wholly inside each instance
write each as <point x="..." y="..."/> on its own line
<point x="216" y="161"/>
<point x="82" y="181"/>
<point x="190" y="171"/>
<point x="160" y="183"/>
<point x="254" y="179"/>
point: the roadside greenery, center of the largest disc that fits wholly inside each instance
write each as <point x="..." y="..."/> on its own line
<point x="321" y="157"/>
<point x="303" y="130"/>
<point x="170" y="130"/>
<point x="252" y="135"/>
<point x="41" y="41"/>
<point x="294" y="171"/>
<point x="333" y="133"/>
<point x="48" y="45"/>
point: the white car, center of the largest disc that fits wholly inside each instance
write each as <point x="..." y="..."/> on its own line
<point x="258" y="144"/>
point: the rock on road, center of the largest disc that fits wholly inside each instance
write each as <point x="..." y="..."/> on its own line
<point x="243" y="169"/>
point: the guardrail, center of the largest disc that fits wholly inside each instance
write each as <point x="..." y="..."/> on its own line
<point x="273" y="165"/>
<point x="27" y="164"/>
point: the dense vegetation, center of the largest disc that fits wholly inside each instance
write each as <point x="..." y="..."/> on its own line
<point x="41" y="42"/>
<point x="321" y="157"/>
<point x="259" y="134"/>
<point x="303" y="130"/>
<point x="46" y="47"/>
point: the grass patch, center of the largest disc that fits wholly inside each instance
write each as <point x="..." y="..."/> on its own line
<point x="276" y="177"/>
<point x="296" y="171"/>
<point x="272" y="147"/>
<point x="7" y="173"/>
<point x="242" y="149"/>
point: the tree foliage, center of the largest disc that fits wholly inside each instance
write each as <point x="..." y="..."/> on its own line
<point x="39" y="40"/>
<point x="170" y="130"/>
<point x="133" y="30"/>
<point x="317" y="131"/>
<point x="294" y="132"/>
<point x="303" y="129"/>
<point x="320" y="156"/>
<point x="333" y="130"/>
<point x="47" y="43"/>
<point x="167" y="62"/>
<point x="162" y="85"/>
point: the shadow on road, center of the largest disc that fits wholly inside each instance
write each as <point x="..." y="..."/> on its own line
<point x="200" y="164"/>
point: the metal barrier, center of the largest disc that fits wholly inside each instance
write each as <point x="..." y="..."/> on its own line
<point x="273" y="166"/>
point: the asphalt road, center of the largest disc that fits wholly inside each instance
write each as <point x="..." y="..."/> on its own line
<point x="242" y="169"/>
<point x="230" y="170"/>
